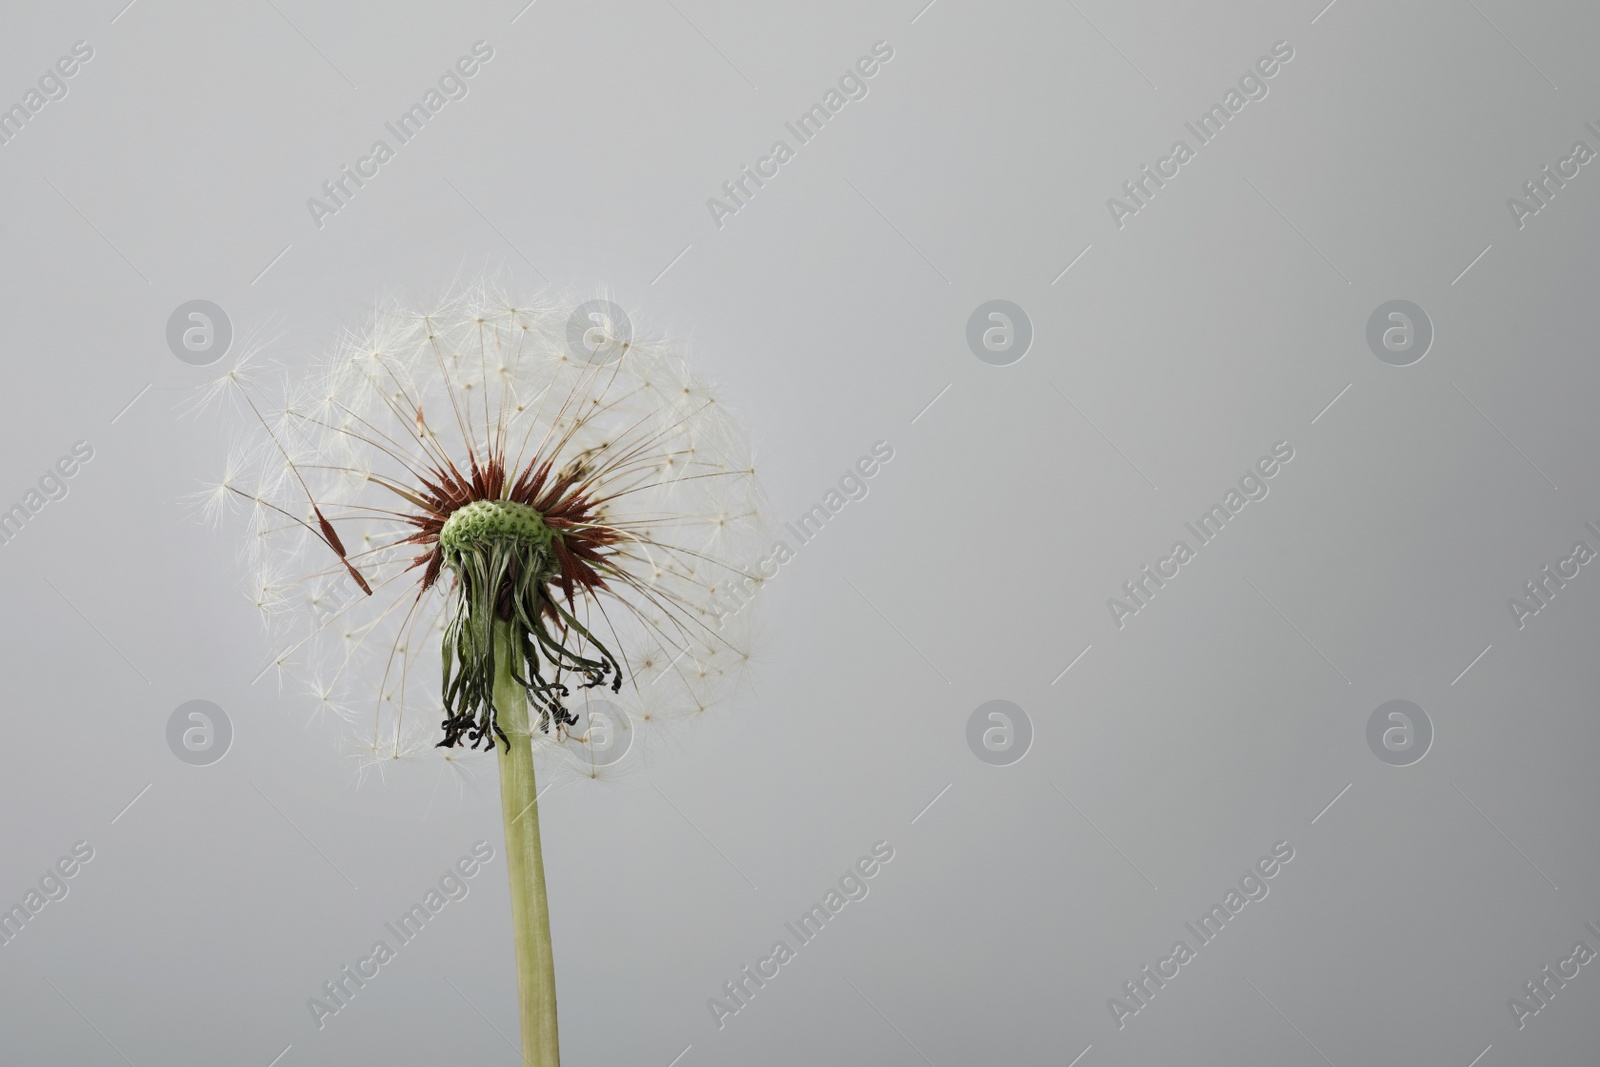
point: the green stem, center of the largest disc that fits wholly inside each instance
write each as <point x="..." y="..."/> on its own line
<point x="530" y="908"/>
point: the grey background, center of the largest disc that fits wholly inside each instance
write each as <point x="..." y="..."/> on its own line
<point x="1224" y="718"/>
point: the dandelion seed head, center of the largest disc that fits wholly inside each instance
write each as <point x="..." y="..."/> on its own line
<point x="621" y="528"/>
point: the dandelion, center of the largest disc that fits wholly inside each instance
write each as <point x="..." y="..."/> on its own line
<point x="511" y="519"/>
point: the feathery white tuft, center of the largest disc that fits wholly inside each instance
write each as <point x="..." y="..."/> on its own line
<point x="354" y="443"/>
